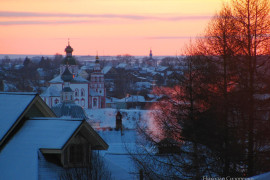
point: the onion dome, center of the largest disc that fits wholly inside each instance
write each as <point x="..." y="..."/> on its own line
<point x="69" y="59"/>
<point x="69" y="109"/>
<point x="97" y="59"/>
<point x="67" y="76"/>
<point x="69" y="49"/>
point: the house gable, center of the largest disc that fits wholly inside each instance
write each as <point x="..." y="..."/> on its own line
<point x="82" y="142"/>
<point x="16" y="108"/>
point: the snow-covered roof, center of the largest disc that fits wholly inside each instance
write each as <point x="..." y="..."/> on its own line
<point x="51" y="91"/>
<point x="161" y="68"/>
<point x="152" y="95"/>
<point x="133" y="98"/>
<point x="121" y="65"/>
<point x="112" y="100"/>
<point x="76" y="79"/>
<point x="12" y="105"/>
<point x="143" y="84"/>
<point x="262" y="96"/>
<point x="18" y="66"/>
<point x="19" y="158"/>
<point x="264" y="176"/>
<point x="79" y="79"/>
<point x="93" y="92"/>
<point x="9" y="86"/>
<point x="106" y="69"/>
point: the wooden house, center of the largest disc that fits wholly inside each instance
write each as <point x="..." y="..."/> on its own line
<point x="35" y="144"/>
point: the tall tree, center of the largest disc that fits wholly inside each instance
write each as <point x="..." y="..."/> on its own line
<point x="252" y="23"/>
<point x="219" y="48"/>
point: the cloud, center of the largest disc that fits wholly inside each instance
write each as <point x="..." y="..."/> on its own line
<point x="9" y="14"/>
<point x="44" y="22"/>
<point x="170" y="37"/>
<point x="87" y="18"/>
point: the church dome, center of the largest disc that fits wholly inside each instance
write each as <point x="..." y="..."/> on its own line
<point x="69" y="109"/>
<point x="67" y="76"/>
<point x="97" y="59"/>
<point x="69" y="49"/>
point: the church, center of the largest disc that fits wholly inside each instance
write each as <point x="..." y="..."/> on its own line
<point x="88" y="94"/>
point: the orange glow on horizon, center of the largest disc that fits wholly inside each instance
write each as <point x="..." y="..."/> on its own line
<point x="110" y="27"/>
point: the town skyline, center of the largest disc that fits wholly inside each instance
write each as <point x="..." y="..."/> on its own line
<point x="107" y="27"/>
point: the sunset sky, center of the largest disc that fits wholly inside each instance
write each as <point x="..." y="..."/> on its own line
<point x="109" y="27"/>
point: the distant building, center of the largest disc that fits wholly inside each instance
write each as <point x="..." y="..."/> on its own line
<point x="87" y="94"/>
<point x="67" y="106"/>
<point x="97" y="96"/>
<point x="151" y="61"/>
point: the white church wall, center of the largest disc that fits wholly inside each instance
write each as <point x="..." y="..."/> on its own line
<point x="80" y="94"/>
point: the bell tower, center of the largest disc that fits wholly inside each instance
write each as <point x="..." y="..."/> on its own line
<point x="70" y="61"/>
<point x="97" y="92"/>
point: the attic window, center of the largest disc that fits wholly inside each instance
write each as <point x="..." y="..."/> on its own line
<point x="76" y="154"/>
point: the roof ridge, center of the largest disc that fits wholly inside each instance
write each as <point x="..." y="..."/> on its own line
<point x="56" y="119"/>
<point x="19" y="93"/>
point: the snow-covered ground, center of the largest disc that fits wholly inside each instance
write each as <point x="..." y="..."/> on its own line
<point x="117" y="157"/>
<point x="105" y="118"/>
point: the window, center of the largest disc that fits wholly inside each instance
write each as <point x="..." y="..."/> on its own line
<point x="82" y="92"/>
<point x="76" y="92"/>
<point x="82" y="102"/>
<point x="76" y="154"/>
<point x="56" y="101"/>
<point x="95" y="102"/>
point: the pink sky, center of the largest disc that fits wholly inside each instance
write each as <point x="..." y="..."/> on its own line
<point x="109" y="27"/>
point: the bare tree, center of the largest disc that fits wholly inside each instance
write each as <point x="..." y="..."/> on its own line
<point x="97" y="170"/>
<point x="252" y="23"/>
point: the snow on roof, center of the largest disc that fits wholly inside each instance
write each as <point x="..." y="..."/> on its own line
<point x="106" y="69"/>
<point x="12" y="105"/>
<point x="93" y="92"/>
<point x="19" y="158"/>
<point x="58" y="79"/>
<point x="51" y="91"/>
<point x="121" y="65"/>
<point x="262" y="96"/>
<point x="9" y="86"/>
<point x="161" y="68"/>
<point x="143" y="84"/>
<point x="133" y="98"/>
<point x="79" y="79"/>
<point x="112" y="100"/>
<point x="264" y="176"/>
